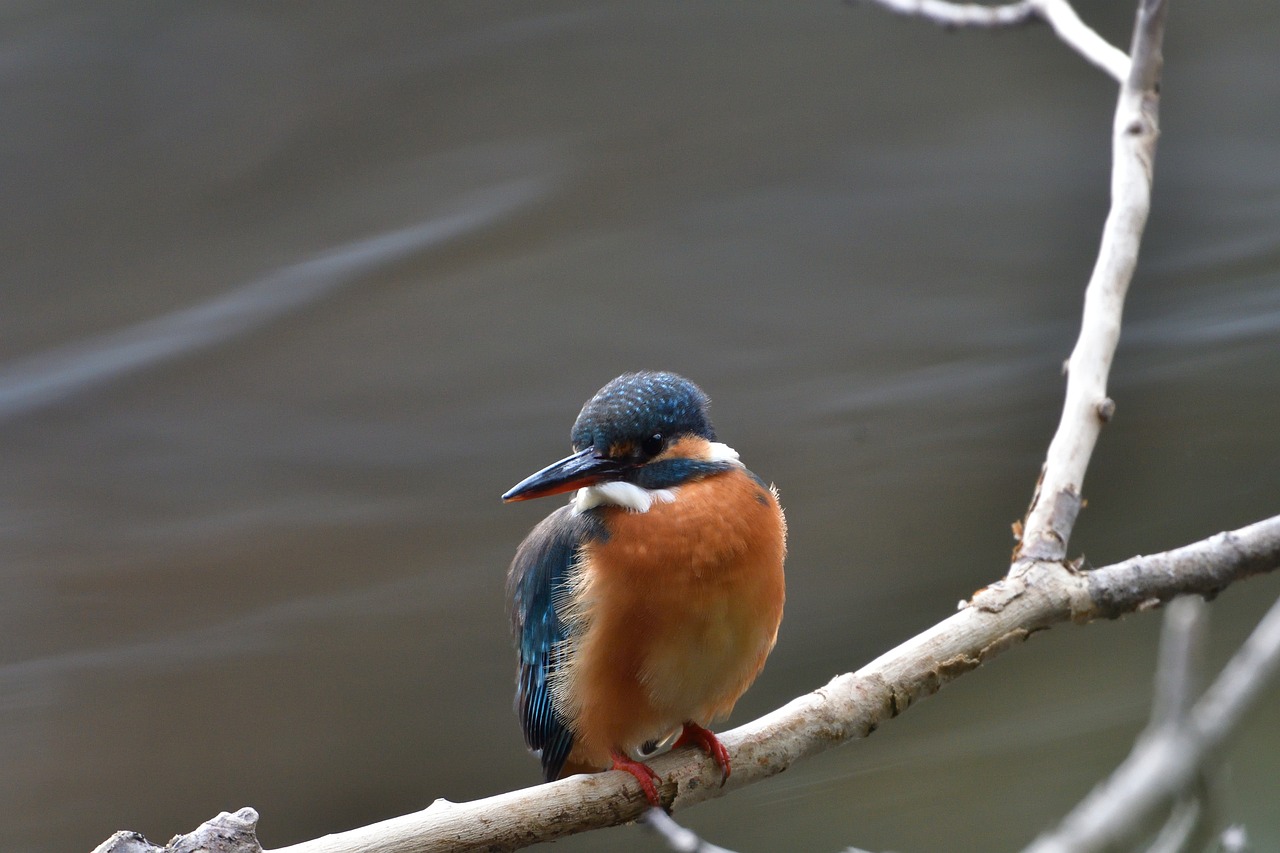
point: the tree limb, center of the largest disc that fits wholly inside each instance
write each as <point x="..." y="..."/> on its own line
<point x="1058" y="495"/>
<point x="850" y="706"/>
<point x="1167" y="759"/>
<point x="1178" y="669"/>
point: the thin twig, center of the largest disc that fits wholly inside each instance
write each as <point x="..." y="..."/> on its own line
<point x="1058" y="497"/>
<point x="677" y="837"/>
<point x="1082" y="38"/>
<point x="1178" y="664"/>
<point x="1059" y="492"/>
<point x="1058" y="14"/>
<point x="1177" y="684"/>
<point x="965" y="15"/>
<point x="1182" y="826"/>
<point x="1166" y="761"/>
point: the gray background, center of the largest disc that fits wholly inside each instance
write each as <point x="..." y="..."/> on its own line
<point x="293" y="291"/>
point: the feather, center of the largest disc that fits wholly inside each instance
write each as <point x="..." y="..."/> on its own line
<point x="541" y="574"/>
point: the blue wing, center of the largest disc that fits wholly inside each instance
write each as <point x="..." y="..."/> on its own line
<point x="539" y="574"/>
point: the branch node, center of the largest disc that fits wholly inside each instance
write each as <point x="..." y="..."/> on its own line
<point x="996" y="597"/>
<point x="226" y="833"/>
<point x="1047" y="540"/>
<point x="1106" y="410"/>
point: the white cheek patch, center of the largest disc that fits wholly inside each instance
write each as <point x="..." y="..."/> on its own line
<point x="626" y="495"/>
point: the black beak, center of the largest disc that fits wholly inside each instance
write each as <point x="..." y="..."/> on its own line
<point x="573" y="472"/>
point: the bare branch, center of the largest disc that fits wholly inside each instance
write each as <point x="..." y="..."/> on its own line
<point x="1058" y="494"/>
<point x="967" y="15"/>
<point x="226" y="833"/>
<point x="1059" y="14"/>
<point x="1167" y="759"/>
<point x="1182" y="828"/>
<point x="1177" y="683"/>
<point x="1197" y="568"/>
<point x="850" y="706"/>
<point x="1178" y="666"/>
<point x="677" y="837"/>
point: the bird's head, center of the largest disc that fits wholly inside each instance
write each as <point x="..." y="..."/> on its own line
<point x="648" y="429"/>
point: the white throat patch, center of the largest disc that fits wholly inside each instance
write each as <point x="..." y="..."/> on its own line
<point x="626" y="495"/>
<point x="637" y="499"/>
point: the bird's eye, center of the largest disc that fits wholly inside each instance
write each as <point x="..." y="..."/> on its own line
<point x="652" y="445"/>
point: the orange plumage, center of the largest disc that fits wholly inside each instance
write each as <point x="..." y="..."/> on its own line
<point x="681" y="607"/>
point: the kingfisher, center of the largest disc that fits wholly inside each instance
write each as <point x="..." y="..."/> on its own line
<point x="644" y="608"/>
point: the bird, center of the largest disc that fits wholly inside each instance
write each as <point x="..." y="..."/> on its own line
<point x="646" y="606"/>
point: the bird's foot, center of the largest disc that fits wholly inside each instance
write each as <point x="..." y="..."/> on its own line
<point x="705" y="740"/>
<point x="644" y="775"/>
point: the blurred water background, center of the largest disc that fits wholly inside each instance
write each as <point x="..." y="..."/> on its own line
<point x="293" y="291"/>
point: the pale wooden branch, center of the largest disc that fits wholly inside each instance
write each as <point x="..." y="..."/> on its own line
<point x="1176" y="685"/>
<point x="1183" y="828"/>
<point x="850" y="706"/>
<point x="1058" y="496"/>
<point x="677" y="837"/>
<point x="1182" y="641"/>
<point x="1170" y="755"/>
<point x="1059" y="492"/>
<point x="1058" y="14"/>
<point x="1178" y="673"/>
<point x="226" y="833"/>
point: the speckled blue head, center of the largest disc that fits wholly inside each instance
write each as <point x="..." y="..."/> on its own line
<point x="621" y="434"/>
<point x="636" y="406"/>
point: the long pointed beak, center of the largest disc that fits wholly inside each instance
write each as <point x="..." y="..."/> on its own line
<point x="573" y="472"/>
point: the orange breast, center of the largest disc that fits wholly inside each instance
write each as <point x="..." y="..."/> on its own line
<point x="679" y="609"/>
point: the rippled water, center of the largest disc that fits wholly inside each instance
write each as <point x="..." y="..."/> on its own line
<point x="292" y="294"/>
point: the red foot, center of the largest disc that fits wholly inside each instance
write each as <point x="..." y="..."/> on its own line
<point x="705" y="740"/>
<point x="644" y="775"/>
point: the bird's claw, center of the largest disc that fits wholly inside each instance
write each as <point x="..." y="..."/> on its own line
<point x="705" y="740"/>
<point x="643" y="773"/>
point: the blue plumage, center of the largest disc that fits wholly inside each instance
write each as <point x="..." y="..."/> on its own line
<point x="635" y="405"/>
<point x="672" y="472"/>
<point x="541" y="570"/>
